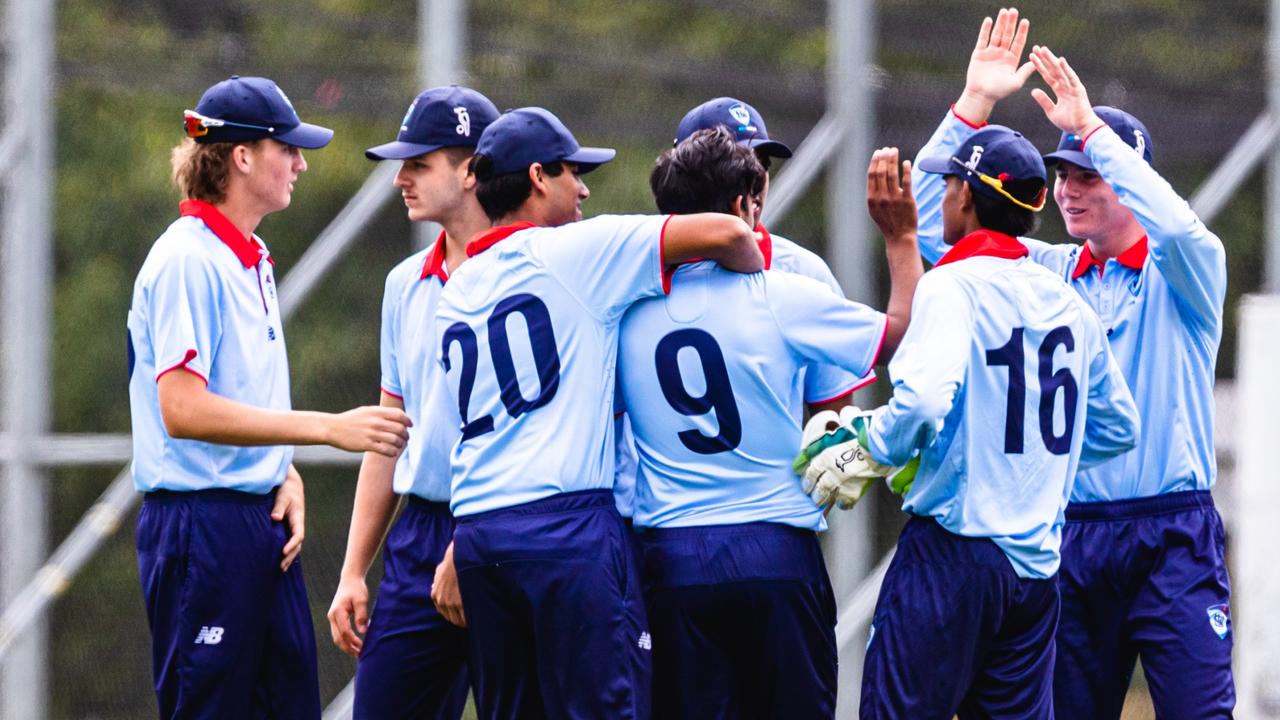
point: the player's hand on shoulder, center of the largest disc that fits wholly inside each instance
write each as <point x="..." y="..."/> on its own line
<point x="1071" y="112"/>
<point x="349" y="615"/>
<point x="371" y="428"/>
<point x="889" y="198"/>
<point x="994" y="71"/>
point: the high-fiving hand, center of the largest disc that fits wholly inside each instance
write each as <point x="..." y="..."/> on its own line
<point x="1072" y="111"/>
<point x="995" y="69"/>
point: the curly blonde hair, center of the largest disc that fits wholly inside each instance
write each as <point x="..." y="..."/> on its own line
<point x="200" y="170"/>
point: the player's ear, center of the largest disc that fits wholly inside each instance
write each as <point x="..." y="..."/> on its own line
<point x="744" y="207"/>
<point x="242" y="158"/>
<point x="537" y="178"/>
<point x="966" y="197"/>
<point x="468" y="176"/>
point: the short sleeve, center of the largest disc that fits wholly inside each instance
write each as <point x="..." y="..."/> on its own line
<point x="388" y="352"/>
<point x="823" y="327"/>
<point x="185" y="315"/>
<point x="607" y="262"/>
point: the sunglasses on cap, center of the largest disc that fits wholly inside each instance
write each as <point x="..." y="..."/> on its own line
<point x="997" y="184"/>
<point x="198" y="125"/>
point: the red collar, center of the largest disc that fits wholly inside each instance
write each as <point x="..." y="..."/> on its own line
<point x="248" y="252"/>
<point x="435" y="261"/>
<point x="984" y="242"/>
<point x="1133" y="258"/>
<point x="487" y="239"/>
<point x="766" y="245"/>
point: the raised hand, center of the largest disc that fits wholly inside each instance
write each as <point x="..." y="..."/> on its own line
<point x="994" y="71"/>
<point x="1072" y="111"/>
<point x="889" y="201"/>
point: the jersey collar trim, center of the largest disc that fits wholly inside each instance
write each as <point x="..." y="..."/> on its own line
<point x="248" y="251"/>
<point x="766" y="245"/>
<point x="493" y="236"/>
<point x="1133" y="258"/>
<point x="435" y="261"/>
<point x="984" y="243"/>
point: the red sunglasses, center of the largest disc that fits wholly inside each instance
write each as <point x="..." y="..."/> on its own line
<point x="198" y="125"/>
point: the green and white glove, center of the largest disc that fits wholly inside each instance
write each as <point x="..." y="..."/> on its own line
<point x="834" y="463"/>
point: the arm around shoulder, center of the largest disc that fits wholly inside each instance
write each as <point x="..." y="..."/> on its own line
<point x="712" y="236"/>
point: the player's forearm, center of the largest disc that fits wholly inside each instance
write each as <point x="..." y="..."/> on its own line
<point x="191" y="412"/>
<point x="712" y="236"/>
<point x="905" y="269"/>
<point x="371" y="514"/>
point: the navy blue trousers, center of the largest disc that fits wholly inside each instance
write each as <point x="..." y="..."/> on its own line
<point x="556" y="623"/>
<point x="231" y="635"/>
<point x="414" y="662"/>
<point x="1148" y="578"/>
<point x="743" y="621"/>
<point x="957" y="632"/>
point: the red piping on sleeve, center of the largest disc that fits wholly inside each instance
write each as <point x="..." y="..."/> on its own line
<point x="1085" y="141"/>
<point x="875" y="358"/>
<point x="394" y="395"/>
<point x="191" y="355"/>
<point x="966" y="121"/>
<point x="667" y="270"/>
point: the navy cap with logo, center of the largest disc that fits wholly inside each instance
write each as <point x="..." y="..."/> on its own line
<point x="741" y="119"/>
<point x="240" y="109"/>
<point x="1129" y="128"/>
<point x="524" y="136"/>
<point x="992" y="157"/>
<point x="449" y="116"/>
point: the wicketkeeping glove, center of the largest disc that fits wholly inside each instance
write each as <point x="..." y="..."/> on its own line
<point x="834" y="463"/>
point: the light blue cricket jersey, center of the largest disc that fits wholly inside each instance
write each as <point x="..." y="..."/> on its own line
<point x="822" y="383"/>
<point x="1161" y="304"/>
<point x="410" y="351"/>
<point x="529" y="337"/>
<point x="1005" y="383"/>
<point x="205" y="299"/>
<point x="711" y="379"/>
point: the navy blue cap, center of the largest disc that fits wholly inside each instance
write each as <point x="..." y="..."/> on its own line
<point x="990" y="157"/>
<point x="524" y="136"/>
<point x="1129" y="128"/>
<point x="450" y="116"/>
<point x="239" y="109"/>
<point x="741" y="119"/>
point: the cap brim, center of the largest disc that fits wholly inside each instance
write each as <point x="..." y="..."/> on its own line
<point x="306" y="136"/>
<point x="937" y="164"/>
<point x="590" y="158"/>
<point x="1075" y="157"/>
<point x="397" y="150"/>
<point x="772" y="148"/>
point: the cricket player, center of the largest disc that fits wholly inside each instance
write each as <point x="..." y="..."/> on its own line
<point x="826" y="386"/>
<point x="529" y="334"/>
<point x="738" y="596"/>
<point x="1143" y="570"/>
<point x="1004" y="385"/>
<point x="222" y="521"/>
<point x="412" y="661"/>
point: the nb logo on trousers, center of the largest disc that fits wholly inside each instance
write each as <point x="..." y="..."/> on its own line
<point x="209" y="635"/>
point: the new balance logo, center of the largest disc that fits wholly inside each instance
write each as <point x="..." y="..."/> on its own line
<point x="645" y="642"/>
<point x="209" y="635"/>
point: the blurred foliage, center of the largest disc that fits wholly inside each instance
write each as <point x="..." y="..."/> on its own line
<point x="619" y="74"/>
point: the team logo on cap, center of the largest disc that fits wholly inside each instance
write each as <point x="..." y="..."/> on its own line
<point x="464" y="121"/>
<point x="740" y="113"/>
<point x="1140" y="141"/>
<point x="404" y="123"/>
<point x="974" y="158"/>
<point x="1218" y="619"/>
